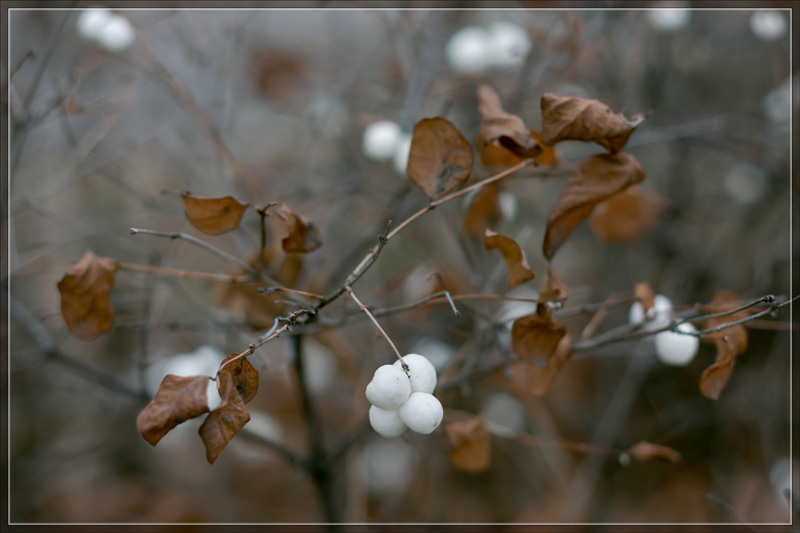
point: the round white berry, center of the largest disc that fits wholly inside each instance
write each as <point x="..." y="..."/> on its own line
<point x="669" y="20"/>
<point x="91" y="21"/>
<point x="768" y="25"/>
<point x="401" y="152"/>
<point x="380" y="139"/>
<point x="676" y="349"/>
<point x="508" y="44"/>
<point x="636" y="313"/>
<point x="116" y="34"/>
<point x="212" y="395"/>
<point x="508" y="205"/>
<point x="386" y="422"/>
<point x="467" y="50"/>
<point x="661" y="310"/>
<point x="389" y="388"/>
<point x="422" y="412"/>
<point x="421" y="372"/>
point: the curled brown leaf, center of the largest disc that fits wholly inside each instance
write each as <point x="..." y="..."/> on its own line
<point x="534" y="338"/>
<point x="580" y="119"/>
<point x="483" y="211"/>
<point x="596" y="179"/>
<point x="645" y="451"/>
<point x="226" y="420"/>
<point x="625" y="217"/>
<point x="440" y="159"/>
<point x="495" y="154"/>
<point x="517" y="264"/>
<point x="244" y="375"/>
<point x="553" y="288"/>
<point x="472" y="445"/>
<point x="86" y="296"/>
<point x="178" y="399"/>
<point x="715" y="377"/>
<point x="303" y="234"/>
<point x="213" y="216"/>
<point x="540" y="379"/>
<point x="504" y="128"/>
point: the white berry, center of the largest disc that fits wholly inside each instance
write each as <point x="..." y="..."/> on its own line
<point x="422" y="412"/>
<point x="676" y="349"/>
<point x="508" y="44"/>
<point x="116" y="34"/>
<point x="467" y="50"/>
<point x="768" y="25"/>
<point x="389" y="388"/>
<point x="421" y="372"/>
<point x="669" y="20"/>
<point x="386" y="422"/>
<point x="636" y="313"/>
<point x="380" y="139"/>
<point x="401" y="152"/>
<point x="91" y="21"/>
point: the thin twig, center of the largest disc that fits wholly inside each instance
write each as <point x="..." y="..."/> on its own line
<point x="270" y="290"/>
<point x="222" y="254"/>
<point x="184" y="273"/>
<point x="377" y="325"/>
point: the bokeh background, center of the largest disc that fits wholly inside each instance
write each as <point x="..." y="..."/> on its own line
<point x="101" y="141"/>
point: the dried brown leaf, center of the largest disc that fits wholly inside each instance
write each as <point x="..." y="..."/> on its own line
<point x="596" y="179"/>
<point x="625" y="217"/>
<point x="225" y="421"/>
<point x="495" y="154"/>
<point x="540" y="379"/>
<point x="472" y="445"/>
<point x="483" y="211"/>
<point x="213" y="216"/>
<point x="504" y="128"/>
<point x="553" y="288"/>
<point x="721" y="302"/>
<point x="572" y="118"/>
<point x="303" y="234"/>
<point x="178" y="399"/>
<point x="644" y="292"/>
<point x="517" y="264"/>
<point x="440" y="159"/>
<point x="244" y="375"/>
<point x="86" y="296"/>
<point x="645" y="451"/>
<point x="534" y="338"/>
<point x="715" y="377"/>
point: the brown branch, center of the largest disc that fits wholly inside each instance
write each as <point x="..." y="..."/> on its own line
<point x="225" y="278"/>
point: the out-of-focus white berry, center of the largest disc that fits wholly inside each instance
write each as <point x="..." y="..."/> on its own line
<point x="380" y="139"/>
<point x="669" y="20"/>
<point x="439" y="353"/>
<point x="320" y="370"/>
<point x="422" y="412"/>
<point x="421" y="372"/>
<point x="780" y="477"/>
<point x="508" y="205"/>
<point x="204" y="361"/>
<point x="401" y="152"/>
<point x="386" y="422"/>
<point x="662" y="308"/>
<point x="387" y="465"/>
<point x="508" y="45"/>
<point x="636" y="313"/>
<point x="511" y="310"/>
<point x="778" y="102"/>
<point x="675" y="349"/>
<point x="768" y="25"/>
<point x="91" y="21"/>
<point x="504" y="410"/>
<point x="212" y="395"/>
<point x="467" y="50"/>
<point x="389" y="388"/>
<point x="745" y="183"/>
<point x="116" y="34"/>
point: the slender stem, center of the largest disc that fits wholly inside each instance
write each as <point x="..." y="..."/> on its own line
<point x="183" y="273"/>
<point x="222" y="254"/>
<point x="377" y="325"/>
<point x="270" y="290"/>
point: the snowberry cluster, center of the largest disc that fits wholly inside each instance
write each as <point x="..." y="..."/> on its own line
<point x="672" y="348"/>
<point x="112" y="32"/>
<point x="403" y="398"/>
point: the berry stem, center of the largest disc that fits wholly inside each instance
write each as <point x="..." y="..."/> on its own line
<point x="374" y="321"/>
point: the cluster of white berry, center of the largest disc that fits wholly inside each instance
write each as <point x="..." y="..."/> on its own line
<point x="672" y="348"/>
<point x="112" y="32"/>
<point x="403" y="398"/>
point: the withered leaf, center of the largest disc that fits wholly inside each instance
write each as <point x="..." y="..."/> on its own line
<point x="440" y="159"/>
<point x="506" y="129"/>
<point x="244" y="375"/>
<point x="715" y="377"/>
<point x="178" y="399"/>
<point x="627" y="216"/>
<point x="540" y="379"/>
<point x="644" y="292"/>
<point x="573" y="118"/>
<point x="303" y="234"/>
<point x="553" y="288"/>
<point x="596" y="179"/>
<point x="721" y="302"/>
<point x="517" y="264"/>
<point x="534" y="338"/>
<point x="472" y="445"/>
<point x="213" y="216"/>
<point x="225" y="421"/>
<point x="86" y="296"/>
<point x="644" y="451"/>
<point x="495" y="154"/>
<point x="483" y="211"/>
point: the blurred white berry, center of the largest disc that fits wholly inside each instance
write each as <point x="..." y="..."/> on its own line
<point x="636" y="313"/>
<point x="508" y="205"/>
<point x="422" y="412"/>
<point x="676" y="349"/>
<point x="386" y="422"/>
<point x="439" y="353"/>
<point x="204" y="361"/>
<point x="91" y="21"/>
<point x="781" y="478"/>
<point x="421" y="372"/>
<point x="662" y="309"/>
<point x="768" y="25"/>
<point x="380" y="139"/>
<point x="778" y="102"/>
<point x="212" y="395"/>
<point x="669" y="20"/>
<point x="401" y="152"/>
<point x="467" y="50"/>
<point x="116" y="34"/>
<point x="505" y="410"/>
<point x="389" y="388"/>
<point x="508" y="45"/>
